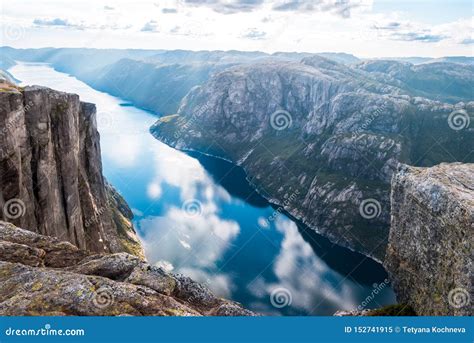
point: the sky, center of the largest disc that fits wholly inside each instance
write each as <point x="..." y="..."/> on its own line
<point x="365" y="28"/>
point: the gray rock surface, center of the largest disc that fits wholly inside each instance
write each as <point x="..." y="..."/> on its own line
<point x="438" y="80"/>
<point x="42" y="275"/>
<point x="320" y="139"/>
<point x="51" y="172"/>
<point x="430" y="251"/>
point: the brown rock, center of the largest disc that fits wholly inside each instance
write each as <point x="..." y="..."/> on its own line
<point x="77" y="282"/>
<point x="51" y="172"/>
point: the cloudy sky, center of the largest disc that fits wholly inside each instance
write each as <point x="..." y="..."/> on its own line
<point x="366" y="28"/>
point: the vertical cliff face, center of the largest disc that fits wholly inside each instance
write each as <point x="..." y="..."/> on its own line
<point x="51" y="172"/>
<point x="430" y="251"/>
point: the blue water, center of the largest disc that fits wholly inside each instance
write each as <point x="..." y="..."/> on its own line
<point x="197" y="215"/>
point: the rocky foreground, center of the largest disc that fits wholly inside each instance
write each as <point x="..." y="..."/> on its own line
<point x="41" y="275"/>
<point x="430" y="251"/>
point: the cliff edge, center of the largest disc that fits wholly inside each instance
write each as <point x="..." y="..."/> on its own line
<point x="51" y="178"/>
<point x="45" y="276"/>
<point x="430" y="251"/>
<point x="79" y="254"/>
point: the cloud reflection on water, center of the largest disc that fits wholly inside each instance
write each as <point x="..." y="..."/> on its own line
<point x="156" y="180"/>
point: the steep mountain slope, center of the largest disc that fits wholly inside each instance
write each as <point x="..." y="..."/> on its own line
<point x="6" y="78"/>
<point x="455" y="59"/>
<point x="51" y="172"/>
<point x="320" y="139"/>
<point x="6" y="62"/>
<point x="156" y="80"/>
<point x="75" y="61"/>
<point x="449" y="82"/>
<point x="152" y="86"/>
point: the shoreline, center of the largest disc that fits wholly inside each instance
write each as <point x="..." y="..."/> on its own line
<point x="275" y="202"/>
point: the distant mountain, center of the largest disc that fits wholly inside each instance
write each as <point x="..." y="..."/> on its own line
<point x="455" y="59"/>
<point x="419" y="60"/>
<point x="6" y="62"/>
<point x="222" y="57"/>
<point x="75" y="61"/>
<point x="6" y="77"/>
<point x="159" y="82"/>
<point x="335" y="56"/>
<point x="449" y="82"/>
<point x="412" y="60"/>
<point x="155" y="80"/>
<point x="319" y="138"/>
<point x="152" y="86"/>
<point x="340" y="57"/>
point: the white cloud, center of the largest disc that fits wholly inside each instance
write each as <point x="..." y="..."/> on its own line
<point x="286" y="25"/>
<point x="169" y="10"/>
<point x="263" y="223"/>
<point x="310" y="282"/>
<point x="154" y="190"/>
<point x="150" y="26"/>
<point x="254" y="34"/>
<point x="185" y="241"/>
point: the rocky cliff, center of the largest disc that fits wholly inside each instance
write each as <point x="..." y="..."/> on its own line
<point x="42" y="275"/>
<point x="430" y="251"/>
<point x="449" y="82"/>
<point x="51" y="172"/>
<point x="320" y="139"/>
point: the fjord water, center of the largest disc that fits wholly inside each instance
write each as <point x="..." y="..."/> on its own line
<point x="197" y="215"/>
